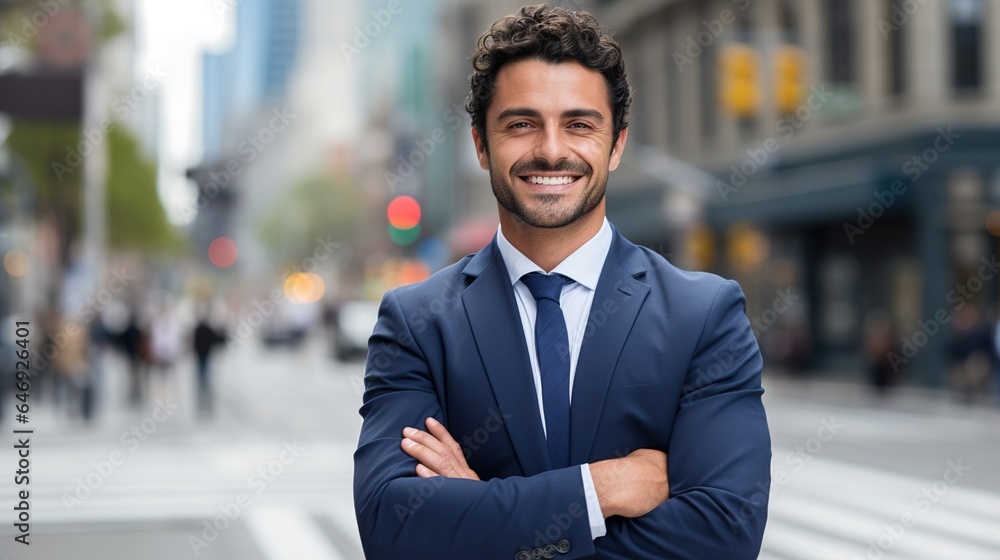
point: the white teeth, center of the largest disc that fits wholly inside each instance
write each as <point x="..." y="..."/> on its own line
<point x="551" y="180"/>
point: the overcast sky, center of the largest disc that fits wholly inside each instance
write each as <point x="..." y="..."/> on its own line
<point x="173" y="35"/>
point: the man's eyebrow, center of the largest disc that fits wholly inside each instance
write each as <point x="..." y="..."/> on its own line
<point x="591" y="113"/>
<point x="518" y="112"/>
<point x="532" y="113"/>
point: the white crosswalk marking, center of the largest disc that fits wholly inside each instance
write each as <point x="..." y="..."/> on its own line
<point x="287" y="534"/>
<point x="78" y="484"/>
<point x="830" y="510"/>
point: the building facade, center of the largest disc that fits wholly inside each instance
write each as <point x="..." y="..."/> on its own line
<point x="853" y="149"/>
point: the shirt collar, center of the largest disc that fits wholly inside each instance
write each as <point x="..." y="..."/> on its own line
<point x="583" y="266"/>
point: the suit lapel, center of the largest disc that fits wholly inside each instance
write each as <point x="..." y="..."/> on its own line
<point x="496" y="326"/>
<point x="607" y="329"/>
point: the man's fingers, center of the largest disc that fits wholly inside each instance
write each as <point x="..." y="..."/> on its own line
<point x="427" y="440"/>
<point x="438" y="453"/>
<point x="441" y="433"/>
<point x="426" y="456"/>
<point x="424" y="472"/>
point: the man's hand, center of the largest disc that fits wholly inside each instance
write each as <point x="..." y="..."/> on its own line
<point x="437" y="452"/>
<point x="633" y="485"/>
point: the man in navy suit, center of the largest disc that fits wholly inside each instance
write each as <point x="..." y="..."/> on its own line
<point x="522" y="403"/>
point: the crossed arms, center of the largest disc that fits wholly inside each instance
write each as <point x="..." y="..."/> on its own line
<point x="416" y="497"/>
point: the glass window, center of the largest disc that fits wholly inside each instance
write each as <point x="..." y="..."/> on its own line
<point x="966" y="44"/>
<point x="789" y="22"/>
<point x="897" y="53"/>
<point x="840" y="42"/>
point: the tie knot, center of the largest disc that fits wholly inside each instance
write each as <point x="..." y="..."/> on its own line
<point x="544" y="286"/>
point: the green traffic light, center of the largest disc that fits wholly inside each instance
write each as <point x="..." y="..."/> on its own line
<point x="404" y="236"/>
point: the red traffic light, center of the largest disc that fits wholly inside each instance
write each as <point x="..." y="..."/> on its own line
<point x="404" y="212"/>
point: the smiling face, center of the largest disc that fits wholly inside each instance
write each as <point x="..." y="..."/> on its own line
<point x="550" y="146"/>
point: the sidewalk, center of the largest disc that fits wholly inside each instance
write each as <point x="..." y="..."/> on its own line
<point x="847" y="393"/>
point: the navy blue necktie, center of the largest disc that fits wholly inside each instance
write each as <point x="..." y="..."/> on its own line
<point x="552" y="348"/>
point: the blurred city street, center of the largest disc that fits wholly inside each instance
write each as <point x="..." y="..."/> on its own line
<point x="218" y="194"/>
<point x="846" y="468"/>
<point x="190" y="469"/>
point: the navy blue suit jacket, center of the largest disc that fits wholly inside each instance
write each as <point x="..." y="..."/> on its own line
<point x="668" y="362"/>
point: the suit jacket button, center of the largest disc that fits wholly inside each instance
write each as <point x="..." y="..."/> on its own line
<point x="522" y="555"/>
<point x="563" y="546"/>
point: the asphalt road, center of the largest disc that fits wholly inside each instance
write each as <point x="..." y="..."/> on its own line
<point x="269" y="476"/>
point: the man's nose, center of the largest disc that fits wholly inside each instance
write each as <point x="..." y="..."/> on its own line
<point x="551" y="146"/>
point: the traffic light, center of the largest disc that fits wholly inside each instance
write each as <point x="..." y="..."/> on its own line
<point x="789" y="78"/>
<point x="404" y="220"/>
<point x="739" y="81"/>
<point x="222" y="252"/>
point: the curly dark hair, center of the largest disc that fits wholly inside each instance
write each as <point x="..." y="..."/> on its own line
<point x="554" y="35"/>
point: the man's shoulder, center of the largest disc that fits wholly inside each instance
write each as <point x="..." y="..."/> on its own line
<point x="680" y="283"/>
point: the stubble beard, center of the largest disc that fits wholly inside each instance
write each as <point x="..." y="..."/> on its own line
<point x="550" y="210"/>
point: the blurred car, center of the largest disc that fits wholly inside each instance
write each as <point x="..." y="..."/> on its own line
<point x="290" y="324"/>
<point x="353" y="323"/>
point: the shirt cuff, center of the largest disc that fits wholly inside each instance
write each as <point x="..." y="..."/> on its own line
<point x="597" y="526"/>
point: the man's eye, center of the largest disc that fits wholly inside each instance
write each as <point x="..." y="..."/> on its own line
<point x="579" y="125"/>
<point x="519" y="125"/>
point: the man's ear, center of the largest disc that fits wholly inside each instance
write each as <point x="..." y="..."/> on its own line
<point x="616" y="152"/>
<point x="484" y="158"/>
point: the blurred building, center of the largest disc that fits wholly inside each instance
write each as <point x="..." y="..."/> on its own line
<point x="853" y="148"/>
<point x="67" y="66"/>
<point x="245" y="89"/>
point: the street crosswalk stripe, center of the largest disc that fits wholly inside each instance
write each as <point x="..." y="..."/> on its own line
<point x="831" y="509"/>
<point x="942" y="517"/>
<point x="841" y="477"/>
<point x="914" y="541"/>
<point x="285" y="533"/>
<point x="795" y="542"/>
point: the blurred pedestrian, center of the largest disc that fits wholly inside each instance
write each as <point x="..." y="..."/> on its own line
<point x="971" y="352"/>
<point x="72" y="368"/>
<point x="206" y="340"/>
<point x="995" y="347"/>
<point x="879" y="346"/>
<point x="100" y="340"/>
<point x="131" y="342"/>
<point x="166" y="344"/>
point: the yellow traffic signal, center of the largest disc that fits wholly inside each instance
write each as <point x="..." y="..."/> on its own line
<point x="739" y="81"/>
<point x="789" y="78"/>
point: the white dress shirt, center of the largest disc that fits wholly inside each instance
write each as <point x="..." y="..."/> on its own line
<point x="584" y="267"/>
